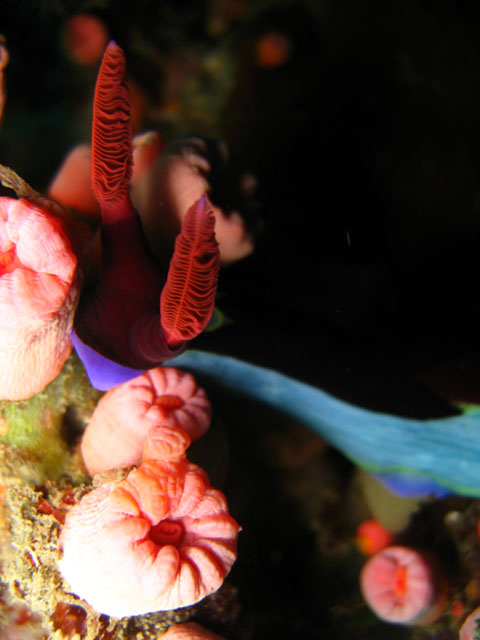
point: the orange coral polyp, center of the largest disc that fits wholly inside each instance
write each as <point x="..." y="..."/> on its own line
<point x="158" y="540"/>
<point x="167" y="532"/>
<point x="116" y="433"/>
<point x="38" y="296"/>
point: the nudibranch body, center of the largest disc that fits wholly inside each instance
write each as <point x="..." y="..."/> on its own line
<point x="39" y="291"/>
<point x="119" y="425"/>
<point x="135" y="315"/>
<point x="412" y="456"/>
<point x="160" y="539"/>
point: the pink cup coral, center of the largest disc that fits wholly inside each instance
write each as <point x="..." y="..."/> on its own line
<point x="402" y="585"/>
<point x="38" y="297"/>
<point x="160" y="539"/>
<point x="470" y="626"/>
<point x="189" y="631"/>
<point x="119" y="425"/>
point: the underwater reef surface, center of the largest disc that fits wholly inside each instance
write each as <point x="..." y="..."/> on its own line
<point x="359" y="123"/>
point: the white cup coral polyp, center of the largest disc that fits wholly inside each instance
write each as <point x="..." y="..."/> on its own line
<point x="38" y="297"/>
<point x="115" y="435"/>
<point x="160" y="539"/>
<point x="403" y="586"/>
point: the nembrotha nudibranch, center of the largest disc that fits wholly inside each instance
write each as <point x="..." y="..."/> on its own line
<point x="135" y="316"/>
<point x="39" y="291"/>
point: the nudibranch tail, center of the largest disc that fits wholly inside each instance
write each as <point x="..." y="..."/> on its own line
<point x="188" y="297"/>
<point x="112" y="137"/>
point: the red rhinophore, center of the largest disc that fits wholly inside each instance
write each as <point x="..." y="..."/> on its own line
<point x="112" y="137"/>
<point x="119" y="317"/>
<point x="130" y="281"/>
<point x="188" y="296"/>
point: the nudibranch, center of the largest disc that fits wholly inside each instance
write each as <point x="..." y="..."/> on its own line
<point x="134" y="317"/>
<point x="434" y="456"/>
<point x="39" y="292"/>
<point x="402" y="585"/>
<point x="119" y="425"/>
<point x="189" y="631"/>
<point x="160" y="539"/>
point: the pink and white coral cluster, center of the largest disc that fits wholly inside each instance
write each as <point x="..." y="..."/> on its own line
<point x="119" y="425"/>
<point x="38" y="297"/>
<point x="160" y="539"/>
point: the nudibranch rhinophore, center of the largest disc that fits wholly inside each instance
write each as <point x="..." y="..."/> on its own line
<point x="135" y="315"/>
<point x="189" y="631"/>
<point x="119" y="425"/>
<point x="39" y="292"/>
<point x="160" y="539"/>
<point x="404" y="586"/>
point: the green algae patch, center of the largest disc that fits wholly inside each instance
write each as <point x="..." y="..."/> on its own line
<point x="44" y="429"/>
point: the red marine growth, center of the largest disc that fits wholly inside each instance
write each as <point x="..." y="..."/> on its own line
<point x="134" y="315"/>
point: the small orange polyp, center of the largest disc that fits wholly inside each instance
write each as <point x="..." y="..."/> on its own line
<point x="372" y="537"/>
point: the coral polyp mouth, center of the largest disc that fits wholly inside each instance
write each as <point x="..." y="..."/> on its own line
<point x="169" y="402"/>
<point x="166" y="532"/>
